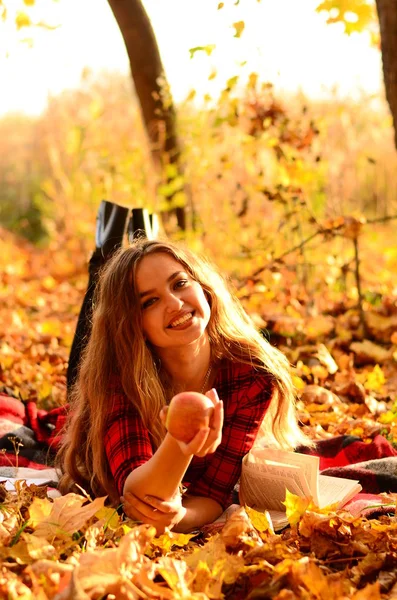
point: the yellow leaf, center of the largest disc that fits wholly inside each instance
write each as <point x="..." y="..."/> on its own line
<point x="22" y="20"/>
<point x="191" y="95"/>
<point x="73" y="141"/>
<point x="231" y="82"/>
<point x="103" y="571"/>
<point x="252" y="80"/>
<point x="126" y="528"/>
<point x="67" y="516"/>
<point x="52" y="328"/>
<point x="110" y="516"/>
<point x="44" y="390"/>
<point x="260" y="520"/>
<point x="29" y="2"/>
<point x="239" y="28"/>
<point x="96" y="108"/>
<point x="375" y="379"/>
<point x="171" y="170"/>
<point x="175" y="573"/>
<point x="387" y="417"/>
<point x="204" y="582"/>
<point x="299" y="384"/>
<point x="169" y="539"/>
<point x="39" y="510"/>
<point x="212" y="75"/>
<point x="356" y="15"/>
<point x="30" y="548"/>
<point x="319" y="372"/>
<point x="295" y="507"/>
<point x="179" y="200"/>
<point x="221" y="5"/>
<point x="48" y="283"/>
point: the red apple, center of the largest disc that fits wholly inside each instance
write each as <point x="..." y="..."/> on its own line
<point x="188" y="412"/>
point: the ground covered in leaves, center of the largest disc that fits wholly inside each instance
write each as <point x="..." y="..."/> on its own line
<point x="75" y="547"/>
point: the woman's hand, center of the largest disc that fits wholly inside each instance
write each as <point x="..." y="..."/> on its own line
<point x="154" y="511"/>
<point x="207" y="439"/>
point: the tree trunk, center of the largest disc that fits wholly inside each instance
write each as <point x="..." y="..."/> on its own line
<point x="147" y="74"/>
<point x="387" y="13"/>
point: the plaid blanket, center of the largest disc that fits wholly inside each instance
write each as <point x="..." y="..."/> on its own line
<point x="29" y="437"/>
<point x="374" y="465"/>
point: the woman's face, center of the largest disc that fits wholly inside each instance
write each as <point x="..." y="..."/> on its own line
<point x="175" y="311"/>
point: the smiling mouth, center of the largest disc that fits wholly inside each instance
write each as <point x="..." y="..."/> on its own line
<point x="182" y="321"/>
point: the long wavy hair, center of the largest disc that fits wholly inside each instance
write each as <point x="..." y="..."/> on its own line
<point x="117" y="354"/>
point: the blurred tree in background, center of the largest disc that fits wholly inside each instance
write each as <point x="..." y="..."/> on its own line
<point x="152" y="91"/>
<point x="360" y="15"/>
<point x="250" y="158"/>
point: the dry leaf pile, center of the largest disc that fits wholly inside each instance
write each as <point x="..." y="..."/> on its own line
<point x="73" y="547"/>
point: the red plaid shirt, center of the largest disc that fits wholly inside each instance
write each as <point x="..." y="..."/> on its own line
<point x="246" y="394"/>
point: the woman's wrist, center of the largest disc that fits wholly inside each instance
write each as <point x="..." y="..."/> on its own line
<point x="162" y="475"/>
<point x="200" y="510"/>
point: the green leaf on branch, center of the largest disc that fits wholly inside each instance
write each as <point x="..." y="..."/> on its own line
<point x="207" y="49"/>
<point x="230" y="83"/>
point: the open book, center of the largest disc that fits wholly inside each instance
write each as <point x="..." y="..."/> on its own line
<point x="268" y="472"/>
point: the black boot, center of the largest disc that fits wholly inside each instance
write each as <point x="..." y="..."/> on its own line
<point x="110" y="228"/>
<point x="142" y="224"/>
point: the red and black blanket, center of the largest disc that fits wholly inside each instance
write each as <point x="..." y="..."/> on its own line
<point x="29" y="437"/>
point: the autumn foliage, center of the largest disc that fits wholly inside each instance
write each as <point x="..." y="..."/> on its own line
<point x="295" y="202"/>
<point x="346" y="381"/>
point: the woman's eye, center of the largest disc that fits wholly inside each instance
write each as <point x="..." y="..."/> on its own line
<point x="148" y="303"/>
<point x="181" y="283"/>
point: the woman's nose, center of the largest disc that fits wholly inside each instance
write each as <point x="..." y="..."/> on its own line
<point x="173" y="302"/>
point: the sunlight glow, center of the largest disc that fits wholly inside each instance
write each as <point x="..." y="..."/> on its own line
<point x="286" y="42"/>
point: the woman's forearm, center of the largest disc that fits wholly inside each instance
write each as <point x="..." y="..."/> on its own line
<point x="162" y="474"/>
<point x="199" y="511"/>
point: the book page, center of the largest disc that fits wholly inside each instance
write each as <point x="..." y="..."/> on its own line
<point x="336" y="490"/>
<point x="287" y="469"/>
<point x="308" y="464"/>
<point x="279" y="519"/>
<point x="263" y="486"/>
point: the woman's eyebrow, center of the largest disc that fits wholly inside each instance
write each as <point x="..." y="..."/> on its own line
<point x="170" y="278"/>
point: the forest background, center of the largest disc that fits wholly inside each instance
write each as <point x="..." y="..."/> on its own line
<point x="292" y="196"/>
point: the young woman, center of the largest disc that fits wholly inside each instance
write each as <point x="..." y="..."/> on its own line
<point x="165" y="322"/>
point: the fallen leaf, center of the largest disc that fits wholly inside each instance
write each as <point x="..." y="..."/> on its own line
<point x="30" y="548"/>
<point x="260" y="520"/>
<point x="370" y="592"/>
<point x="369" y="352"/>
<point x="67" y="516"/>
<point x="295" y="507"/>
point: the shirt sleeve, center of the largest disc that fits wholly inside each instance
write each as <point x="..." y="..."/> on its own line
<point x="246" y="399"/>
<point x="127" y="441"/>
